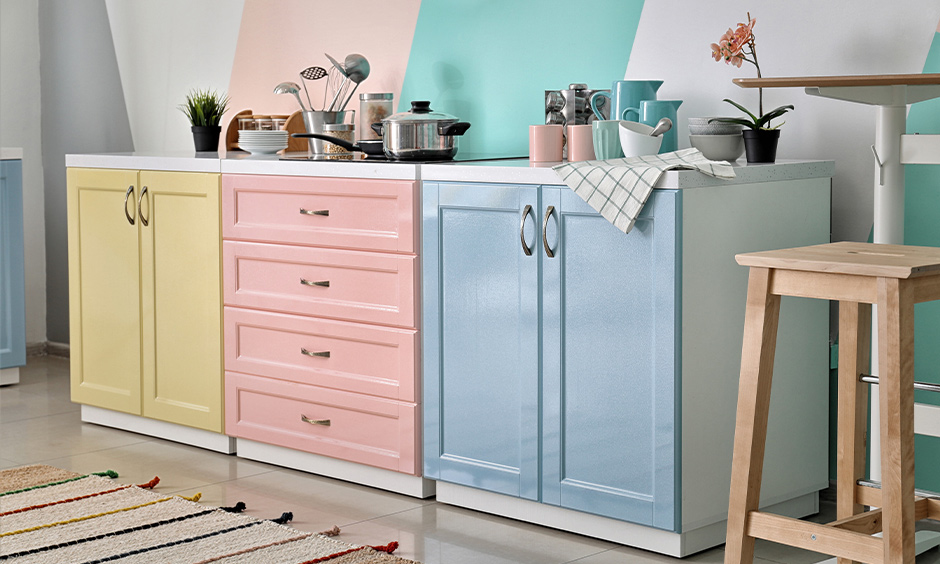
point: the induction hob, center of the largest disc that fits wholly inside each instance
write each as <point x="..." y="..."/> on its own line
<point x="357" y="157"/>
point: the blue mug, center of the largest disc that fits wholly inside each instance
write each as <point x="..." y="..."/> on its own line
<point x="651" y="111"/>
<point x="625" y="94"/>
<point x="606" y="137"/>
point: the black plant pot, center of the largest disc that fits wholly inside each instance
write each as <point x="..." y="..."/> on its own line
<point x="206" y="137"/>
<point x="760" y="145"/>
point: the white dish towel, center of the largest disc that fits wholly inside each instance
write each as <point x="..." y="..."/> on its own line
<point x="619" y="188"/>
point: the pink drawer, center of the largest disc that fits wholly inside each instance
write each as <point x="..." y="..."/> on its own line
<point x="351" y="285"/>
<point x="366" y="359"/>
<point x="362" y="214"/>
<point x="362" y="429"/>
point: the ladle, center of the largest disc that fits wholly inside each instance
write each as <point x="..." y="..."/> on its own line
<point x="290" y="88"/>
<point x="662" y="126"/>
<point x="358" y="68"/>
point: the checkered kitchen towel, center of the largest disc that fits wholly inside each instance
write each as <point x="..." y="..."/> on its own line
<point x="619" y="188"/>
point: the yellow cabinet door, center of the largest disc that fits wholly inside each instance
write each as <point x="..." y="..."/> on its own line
<point x="104" y="288"/>
<point x="181" y="303"/>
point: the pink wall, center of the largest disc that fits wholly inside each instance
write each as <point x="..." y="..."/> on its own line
<point x="280" y="38"/>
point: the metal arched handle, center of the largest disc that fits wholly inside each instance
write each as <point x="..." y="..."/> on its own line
<point x="548" y="214"/>
<point x="130" y="190"/>
<point x="324" y="422"/>
<point x="525" y="246"/>
<point x="140" y="214"/>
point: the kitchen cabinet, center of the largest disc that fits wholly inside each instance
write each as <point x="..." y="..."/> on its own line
<point x="592" y="373"/>
<point x="12" y="275"/>
<point x="321" y="351"/>
<point x="145" y="294"/>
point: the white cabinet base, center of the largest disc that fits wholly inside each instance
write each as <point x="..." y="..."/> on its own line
<point x="160" y="429"/>
<point x="9" y="376"/>
<point x="414" y="486"/>
<point x="647" y="538"/>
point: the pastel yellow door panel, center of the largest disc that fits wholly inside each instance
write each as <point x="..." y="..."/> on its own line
<point x="104" y="289"/>
<point x="181" y="298"/>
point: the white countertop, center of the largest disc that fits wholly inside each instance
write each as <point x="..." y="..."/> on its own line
<point x="11" y="153"/>
<point x="510" y="171"/>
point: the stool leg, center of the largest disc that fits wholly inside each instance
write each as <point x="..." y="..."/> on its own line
<point x="896" y="395"/>
<point x="854" y="356"/>
<point x="750" y="432"/>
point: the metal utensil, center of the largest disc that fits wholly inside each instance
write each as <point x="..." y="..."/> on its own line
<point x="662" y="126"/>
<point x="311" y="73"/>
<point x="357" y="68"/>
<point x="290" y="88"/>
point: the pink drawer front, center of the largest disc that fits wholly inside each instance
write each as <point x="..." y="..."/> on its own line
<point x="351" y="285"/>
<point x="352" y="427"/>
<point x="350" y="213"/>
<point x="354" y="357"/>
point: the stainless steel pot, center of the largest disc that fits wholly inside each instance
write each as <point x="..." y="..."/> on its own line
<point x="420" y="134"/>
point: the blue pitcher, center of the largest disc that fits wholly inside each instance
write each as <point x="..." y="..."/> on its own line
<point x="651" y="111"/>
<point x="625" y="94"/>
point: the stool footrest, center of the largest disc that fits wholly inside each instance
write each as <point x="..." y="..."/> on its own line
<point x="815" y="537"/>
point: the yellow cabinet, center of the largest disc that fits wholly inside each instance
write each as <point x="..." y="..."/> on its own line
<point x="145" y="294"/>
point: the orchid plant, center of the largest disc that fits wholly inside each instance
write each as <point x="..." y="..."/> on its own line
<point x="736" y="47"/>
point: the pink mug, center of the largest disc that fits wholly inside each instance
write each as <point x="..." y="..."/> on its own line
<point x="546" y="143"/>
<point x="580" y="143"/>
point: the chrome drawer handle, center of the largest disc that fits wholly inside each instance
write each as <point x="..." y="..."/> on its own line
<point x="314" y="212"/>
<point x="140" y="214"/>
<point x="324" y="422"/>
<point x="548" y="214"/>
<point x="130" y="190"/>
<point x="323" y="354"/>
<point x="525" y="246"/>
<point x="324" y="283"/>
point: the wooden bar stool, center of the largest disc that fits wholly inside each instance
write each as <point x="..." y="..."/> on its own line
<point x="894" y="277"/>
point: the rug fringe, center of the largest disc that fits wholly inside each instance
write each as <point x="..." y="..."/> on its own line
<point x="151" y="484"/>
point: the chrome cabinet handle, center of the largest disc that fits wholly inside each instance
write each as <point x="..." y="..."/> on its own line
<point x="324" y="283"/>
<point x="314" y="212"/>
<point x="130" y="190"/>
<point x="525" y="246"/>
<point x="140" y="214"/>
<point x="323" y="354"/>
<point x="548" y="214"/>
<point x="324" y="422"/>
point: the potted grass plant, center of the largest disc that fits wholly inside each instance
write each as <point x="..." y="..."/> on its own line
<point x="204" y="109"/>
<point x="735" y="47"/>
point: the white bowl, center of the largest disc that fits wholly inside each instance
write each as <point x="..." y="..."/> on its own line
<point x="636" y="141"/>
<point x="719" y="147"/>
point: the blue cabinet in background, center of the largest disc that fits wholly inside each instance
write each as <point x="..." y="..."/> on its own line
<point x="12" y="275"/>
<point x="548" y="337"/>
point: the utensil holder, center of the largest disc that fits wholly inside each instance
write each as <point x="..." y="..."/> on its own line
<point x="314" y="122"/>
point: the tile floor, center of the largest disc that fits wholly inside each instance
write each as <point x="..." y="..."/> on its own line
<point x="38" y="424"/>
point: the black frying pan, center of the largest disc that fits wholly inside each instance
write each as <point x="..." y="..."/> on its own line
<point x="367" y="146"/>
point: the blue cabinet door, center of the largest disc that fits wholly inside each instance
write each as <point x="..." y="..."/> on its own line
<point x="12" y="275"/>
<point x="610" y="354"/>
<point x="480" y="336"/>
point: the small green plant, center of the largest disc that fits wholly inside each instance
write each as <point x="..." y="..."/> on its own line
<point x="204" y="107"/>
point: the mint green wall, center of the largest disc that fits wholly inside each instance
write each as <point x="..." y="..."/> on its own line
<point x="489" y="62"/>
<point x="922" y="227"/>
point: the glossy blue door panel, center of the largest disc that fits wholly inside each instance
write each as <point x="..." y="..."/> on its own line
<point x="12" y="274"/>
<point x="609" y="361"/>
<point x="480" y="336"/>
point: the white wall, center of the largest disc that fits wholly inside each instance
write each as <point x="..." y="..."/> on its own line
<point x="20" y="99"/>
<point x="164" y="50"/>
<point x="794" y="38"/>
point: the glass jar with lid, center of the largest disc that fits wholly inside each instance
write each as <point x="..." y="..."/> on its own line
<point x="373" y="108"/>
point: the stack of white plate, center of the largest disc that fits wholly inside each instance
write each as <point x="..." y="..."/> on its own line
<point x="262" y="142"/>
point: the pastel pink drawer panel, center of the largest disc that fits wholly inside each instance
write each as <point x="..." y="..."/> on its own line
<point x="354" y="357"/>
<point x="328" y="212"/>
<point x="353" y="427"/>
<point x="351" y="285"/>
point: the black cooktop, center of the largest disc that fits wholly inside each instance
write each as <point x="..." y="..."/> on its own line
<point x="357" y="157"/>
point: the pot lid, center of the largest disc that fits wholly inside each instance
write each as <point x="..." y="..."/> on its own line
<point x="420" y="112"/>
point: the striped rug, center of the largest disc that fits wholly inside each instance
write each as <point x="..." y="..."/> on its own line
<point x="52" y="515"/>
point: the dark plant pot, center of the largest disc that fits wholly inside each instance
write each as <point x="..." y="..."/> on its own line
<point x="206" y="137"/>
<point x="760" y="145"/>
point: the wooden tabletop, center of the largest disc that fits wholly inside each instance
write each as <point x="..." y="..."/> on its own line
<point x="829" y="81"/>
<point x="863" y="259"/>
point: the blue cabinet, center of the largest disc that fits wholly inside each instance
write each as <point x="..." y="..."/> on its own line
<point x="550" y="349"/>
<point x="12" y="276"/>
